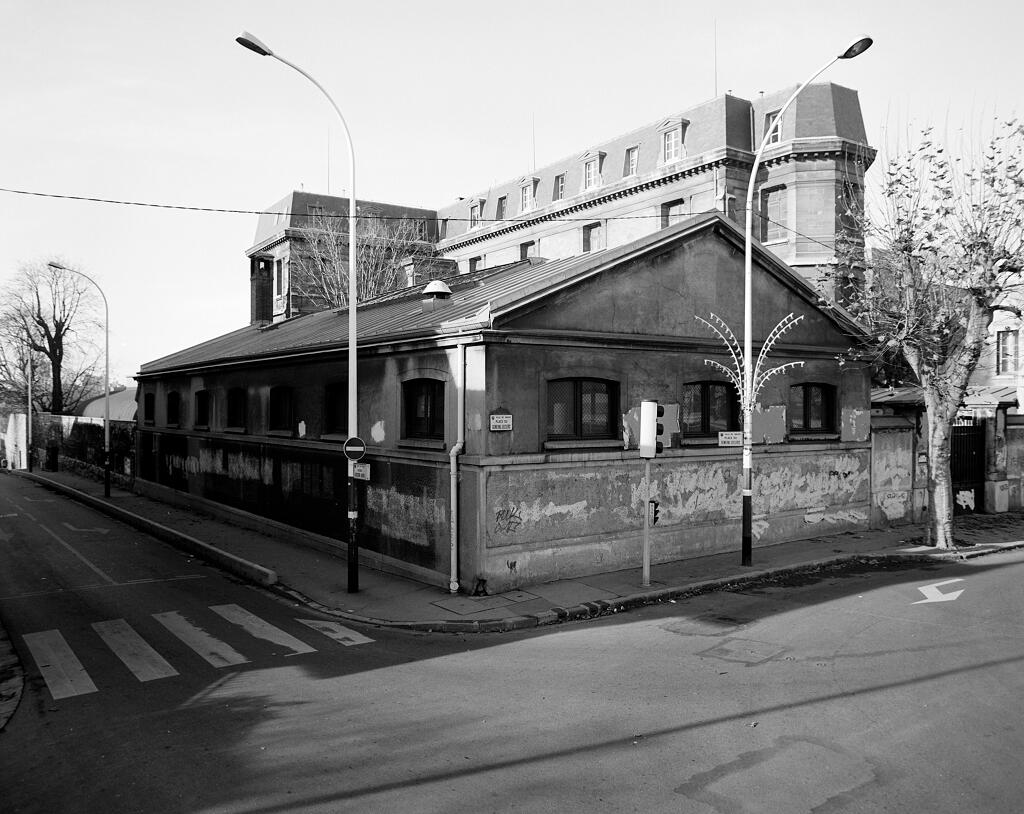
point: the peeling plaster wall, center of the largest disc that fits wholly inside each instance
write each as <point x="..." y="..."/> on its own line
<point x="585" y="517"/>
<point x="892" y="465"/>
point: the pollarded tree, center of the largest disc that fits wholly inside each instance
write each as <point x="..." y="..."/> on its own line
<point x="50" y="313"/>
<point x="947" y="238"/>
<point x="319" y="267"/>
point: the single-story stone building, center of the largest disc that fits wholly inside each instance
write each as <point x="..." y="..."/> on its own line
<point x="494" y="415"/>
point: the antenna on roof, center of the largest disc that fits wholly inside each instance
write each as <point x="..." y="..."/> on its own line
<point x="716" y="56"/>
<point x="328" y="159"/>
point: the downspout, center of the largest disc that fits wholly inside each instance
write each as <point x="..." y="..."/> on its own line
<point x="453" y="460"/>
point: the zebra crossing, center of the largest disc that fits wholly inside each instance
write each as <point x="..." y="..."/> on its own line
<point x="66" y="676"/>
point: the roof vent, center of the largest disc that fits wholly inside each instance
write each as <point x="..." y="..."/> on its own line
<point x="437" y="289"/>
<point x="435" y="295"/>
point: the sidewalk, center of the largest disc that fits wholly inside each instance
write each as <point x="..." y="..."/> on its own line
<point x="320" y="579"/>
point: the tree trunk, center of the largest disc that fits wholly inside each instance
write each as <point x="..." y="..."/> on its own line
<point x="940" y="486"/>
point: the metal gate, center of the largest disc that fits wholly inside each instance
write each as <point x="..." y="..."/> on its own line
<point x="967" y="465"/>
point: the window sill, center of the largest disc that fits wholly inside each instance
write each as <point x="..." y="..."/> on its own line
<point x="204" y="427"/>
<point x="596" y="443"/>
<point x="281" y="433"/>
<point x="172" y="426"/>
<point x="422" y="443"/>
<point x="236" y="430"/>
<point x="335" y="437"/>
<point x="813" y="436"/>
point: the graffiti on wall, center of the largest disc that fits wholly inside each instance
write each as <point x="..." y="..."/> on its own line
<point x="415" y="519"/>
<point x="527" y="506"/>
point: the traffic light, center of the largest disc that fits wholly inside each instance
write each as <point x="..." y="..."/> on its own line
<point x="653" y="512"/>
<point x="651" y="430"/>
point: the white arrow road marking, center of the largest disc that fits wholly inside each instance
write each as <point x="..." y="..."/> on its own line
<point x="339" y="633"/>
<point x="261" y="629"/>
<point x="61" y="669"/>
<point x="933" y="594"/>
<point x="74" y="528"/>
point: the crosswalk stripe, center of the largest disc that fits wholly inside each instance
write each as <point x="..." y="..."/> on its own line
<point x="339" y="633"/>
<point x="261" y="629"/>
<point x="144" y="662"/>
<point x="61" y="669"/>
<point x="216" y="652"/>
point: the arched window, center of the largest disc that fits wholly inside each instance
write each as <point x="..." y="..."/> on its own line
<point x="582" y="409"/>
<point x="173" y="409"/>
<point x="202" y="419"/>
<point x="812" y="408"/>
<point x="423" y="409"/>
<point x="238" y="409"/>
<point x="708" y="408"/>
<point x="279" y="414"/>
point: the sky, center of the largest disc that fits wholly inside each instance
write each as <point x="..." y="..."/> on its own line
<point x="155" y="103"/>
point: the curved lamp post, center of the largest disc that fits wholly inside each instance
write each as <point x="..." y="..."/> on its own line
<point x="253" y="44"/>
<point x="855" y="48"/>
<point x="106" y="373"/>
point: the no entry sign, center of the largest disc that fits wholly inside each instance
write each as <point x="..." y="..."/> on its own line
<point x="354" y="448"/>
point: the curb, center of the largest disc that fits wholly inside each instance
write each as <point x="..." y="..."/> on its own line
<point x="229" y="562"/>
<point x="584" y="610"/>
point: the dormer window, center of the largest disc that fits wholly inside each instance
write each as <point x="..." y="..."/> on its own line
<point x="672" y="132"/>
<point x="476" y="209"/>
<point x="630" y="161"/>
<point x="592" y="169"/>
<point x="527" y="193"/>
<point x="769" y="120"/>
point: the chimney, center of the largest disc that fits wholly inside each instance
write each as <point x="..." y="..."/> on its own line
<point x="261" y="290"/>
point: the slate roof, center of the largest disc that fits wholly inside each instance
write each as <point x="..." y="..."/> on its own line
<point x="477" y="301"/>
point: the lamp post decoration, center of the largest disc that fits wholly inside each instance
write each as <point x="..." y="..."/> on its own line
<point x="247" y="40"/>
<point x="746" y="376"/>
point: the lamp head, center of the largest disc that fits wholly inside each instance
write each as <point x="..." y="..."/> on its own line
<point x="56" y="266"/>
<point x="253" y="44"/>
<point x="856" y="48"/>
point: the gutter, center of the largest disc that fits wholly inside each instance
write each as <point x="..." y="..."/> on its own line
<point x="453" y="460"/>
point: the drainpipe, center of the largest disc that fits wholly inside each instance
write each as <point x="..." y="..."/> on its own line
<point x="453" y="459"/>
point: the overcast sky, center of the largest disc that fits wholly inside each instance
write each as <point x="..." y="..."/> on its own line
<point x="154" y="102"/>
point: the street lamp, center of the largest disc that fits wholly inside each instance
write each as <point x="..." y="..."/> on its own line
<point x="253" y="44"/>
<point x="855" y="48"/>
<point x="106" y="374"/>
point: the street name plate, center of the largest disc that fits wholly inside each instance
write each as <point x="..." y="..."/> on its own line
<point x="501" y="422"/>
<point x="730" y="439"/>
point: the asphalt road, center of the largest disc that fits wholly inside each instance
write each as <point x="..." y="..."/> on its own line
<point x="854" y="691"/>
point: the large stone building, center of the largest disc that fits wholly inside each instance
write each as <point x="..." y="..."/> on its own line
<point x="616" y="191"/>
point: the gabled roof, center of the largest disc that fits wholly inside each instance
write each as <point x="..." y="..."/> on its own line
<point x="479" y="301"/>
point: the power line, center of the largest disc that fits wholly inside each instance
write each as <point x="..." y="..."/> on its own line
<point x="364" y="216"/>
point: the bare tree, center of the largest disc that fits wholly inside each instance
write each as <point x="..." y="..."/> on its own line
<point x="947" y="238"/>
<point x="50" y="314"/>
<point x="319" y="269"/>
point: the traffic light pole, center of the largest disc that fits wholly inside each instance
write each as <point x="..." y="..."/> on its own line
<point x="647" y="523"/>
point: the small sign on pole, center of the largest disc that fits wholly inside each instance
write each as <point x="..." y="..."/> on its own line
<point x="733" y="438"/>
<point x="361" y="471"/>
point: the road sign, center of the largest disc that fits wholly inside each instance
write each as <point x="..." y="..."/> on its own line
<point x="361" y="471"/>
<point x="355" y="448"/>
